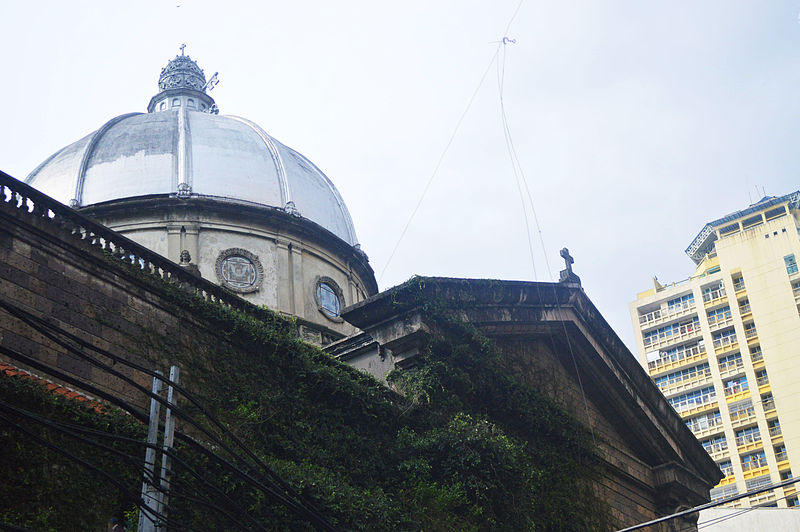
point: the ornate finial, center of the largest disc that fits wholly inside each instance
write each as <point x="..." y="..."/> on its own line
<point x="182" y="47"/>
<point x="184" y="190"/>
<point x="567" y="275"/>
<point x="182" y="73"/>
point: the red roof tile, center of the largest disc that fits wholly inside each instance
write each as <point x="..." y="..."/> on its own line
<point x="57" y="389"/>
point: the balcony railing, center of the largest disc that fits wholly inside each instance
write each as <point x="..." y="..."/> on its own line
<point x="739" y="285"/>
<point x="775" y="431"/>
<point x="742" y="415"/>
<point x="725" y="341"/>
<point x="688" y="381"/>
<point x="748" y="439"/>
<point x="710" y="424"/>
<point x="22" y="198"/>
<point x="754" y="463"/>
<point x="665" y="314"/>
<point x="693" y="351"/>
<point x="744" y="309"/>
<point x="735" y="388"/>
<point x="718" y="320"/>
<point x="714" y="295"/>
<point x="727" y="471"/>
<point x="696" y="402"/>
<point x="762" y="380"/>
<point x="750" y="333"/>
<point x="758" y="356"/>
<point x="781" y="456"/>
<point x="716" y="450"/>
<point x="732" y="366"/>
<point x="683" y="332"/>
<point x="768" y="404"/>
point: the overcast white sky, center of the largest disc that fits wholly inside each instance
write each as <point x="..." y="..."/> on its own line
<point x="635" y="123"/>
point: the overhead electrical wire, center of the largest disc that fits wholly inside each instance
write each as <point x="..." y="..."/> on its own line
<point x="519" y="176"/>
<point x="74" y="431"/>
<point x="447" y="146"/>
<point x="714" y="504"/>
<point x="303" y="508"/>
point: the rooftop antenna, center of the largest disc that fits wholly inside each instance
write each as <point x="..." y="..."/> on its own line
<point x="763" y="191"/>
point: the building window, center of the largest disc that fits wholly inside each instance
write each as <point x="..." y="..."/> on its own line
<point x="791" y="264"/>
<point x="190" y="103"/>
<point x="727" y="468"/>
<point x="754" y="461"/>
<point x="735" y="385"/>
<point x="162" y="106"/>
<point x="704" y="422"/>
<point x="780" y="453"/>
<point x="748" y="436"/>
<point x="723" y="492"/>
<point x="176" y="102"/>
<point x="741" y="411"/>
<point x="719" y="315"/>
<point x="786" y="475"/>
<point x="329" y="298"/>
<point x="715" y="445"/>
<point x="758" y="482"/>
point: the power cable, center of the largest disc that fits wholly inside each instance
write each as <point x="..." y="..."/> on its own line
<point x="447" y="146"/>
<point x="519" y="175"/>
<point x="73" y="430"/>
<point x="438" y="165"/>
<point x="714" y="504"/>
<point x="152" y="514"/>
<point x="40" y="325"/>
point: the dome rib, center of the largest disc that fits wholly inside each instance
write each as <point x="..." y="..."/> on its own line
<point x="286" y="193"/>
<point x="80" y="176"/>
<point x="351" y="230"/>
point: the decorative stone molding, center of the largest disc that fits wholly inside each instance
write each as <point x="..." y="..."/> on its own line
<point x="329" y="308"/>
<point x="239" y="270"/>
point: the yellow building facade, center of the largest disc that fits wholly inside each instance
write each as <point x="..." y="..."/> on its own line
<point x="723" y="346"/>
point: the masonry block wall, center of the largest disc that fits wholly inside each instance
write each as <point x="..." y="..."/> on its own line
<point x="81" y="290"/>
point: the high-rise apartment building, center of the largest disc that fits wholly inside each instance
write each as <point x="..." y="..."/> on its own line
<point x="724" y="346"/>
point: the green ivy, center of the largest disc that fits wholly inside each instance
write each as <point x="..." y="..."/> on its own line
<point x="457" y="445"/>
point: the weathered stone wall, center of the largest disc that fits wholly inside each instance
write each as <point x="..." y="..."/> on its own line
<point x="626" y="484"/>
<point x="84" y="291"/>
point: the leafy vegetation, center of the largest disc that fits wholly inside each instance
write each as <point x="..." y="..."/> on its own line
<point x="457" y="444"/>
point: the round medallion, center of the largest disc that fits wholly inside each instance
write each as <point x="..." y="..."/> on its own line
<point x="329" y="298"/>
<point x="239" y="270"/>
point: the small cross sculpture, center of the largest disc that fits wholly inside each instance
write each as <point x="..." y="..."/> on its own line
<point x="567" y="275"/>
<point x="182" y="46"/>
<point x="568" y="260"/>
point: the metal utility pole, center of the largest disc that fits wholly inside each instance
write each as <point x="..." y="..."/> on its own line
<point x="149" y="495"/>
<point x="169" y="436"/>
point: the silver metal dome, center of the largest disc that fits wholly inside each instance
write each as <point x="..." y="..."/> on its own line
<point x="181" y="147"/>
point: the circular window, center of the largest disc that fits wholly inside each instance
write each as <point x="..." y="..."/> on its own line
<point x="329" y="298"/>
<point x="239" y="270"/>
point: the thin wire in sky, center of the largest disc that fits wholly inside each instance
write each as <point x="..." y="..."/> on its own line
<point x="447" y="146"/>
<point x="439" y="163"/>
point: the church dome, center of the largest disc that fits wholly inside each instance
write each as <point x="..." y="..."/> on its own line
<point x="181" y="147"/>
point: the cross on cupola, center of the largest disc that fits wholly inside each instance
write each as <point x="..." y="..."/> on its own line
<point x="182" y="47"/>
<point x="567" y="275"/>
